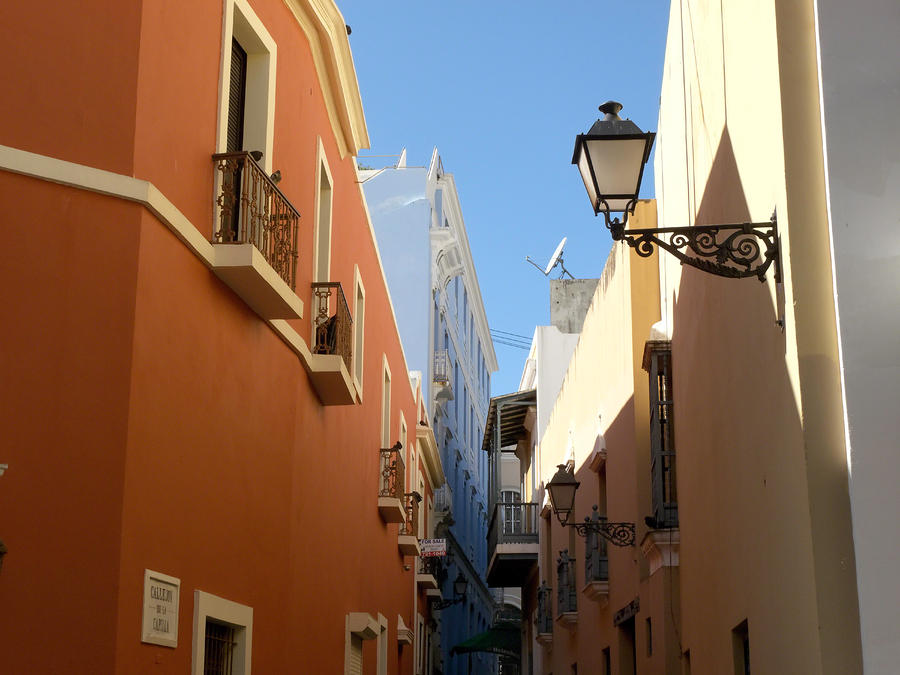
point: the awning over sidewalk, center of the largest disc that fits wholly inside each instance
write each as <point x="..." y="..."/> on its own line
<point x="503" y="638"/>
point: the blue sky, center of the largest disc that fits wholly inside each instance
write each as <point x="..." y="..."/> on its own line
<point x="501" y="88"/>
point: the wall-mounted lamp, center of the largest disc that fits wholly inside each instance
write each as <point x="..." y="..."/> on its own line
<point x="460" y="586"/>
<point x="562" y="488"/>
<point x="611" y="158"/>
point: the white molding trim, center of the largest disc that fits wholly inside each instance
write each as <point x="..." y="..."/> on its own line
<point x="262" y="53"/>
<point x="145" y="194"/>
<point x="358" y="361"/>
<point x="329" y="45"/>
<point x="113" y="184"/>
<point x="208" y="606"/>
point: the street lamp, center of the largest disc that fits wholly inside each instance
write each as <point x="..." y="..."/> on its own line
<point x="562" y="488"/>
<point x="611" y="159"/>
<point x="460" y="586"/>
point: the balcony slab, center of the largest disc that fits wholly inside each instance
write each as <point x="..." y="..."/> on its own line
<point x="426" y="581"/>
<point x="661" y="548"/>
<point x="408" y="545"/>
<point x="391" y="510"/>
<point x="598" y="591"/>
<point x="245" y="271"/>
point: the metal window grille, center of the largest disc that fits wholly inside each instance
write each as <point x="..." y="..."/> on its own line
<point x="441" y="367"/>
<point x="545" y="609"/>
<point x="565" y="586"/>
<point x="662" y="441"/>
<point x="596" y="561"/>
<point x="220" y="647"/>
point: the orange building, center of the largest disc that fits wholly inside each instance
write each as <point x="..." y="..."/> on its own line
<point x="200" y="364"/>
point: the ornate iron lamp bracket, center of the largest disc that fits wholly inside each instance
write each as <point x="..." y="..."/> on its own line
<point x="442" y="604"/>
<point x="618" y="534"/>
<point x="735" y="250"/>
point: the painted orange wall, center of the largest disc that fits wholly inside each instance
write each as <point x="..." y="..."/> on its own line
<point x="156" y="421"/>
<point x="69" y="78"/>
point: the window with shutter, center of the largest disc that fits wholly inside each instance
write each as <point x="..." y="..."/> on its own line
<point x="355" y="664"/>
<point x="237" y="97"/>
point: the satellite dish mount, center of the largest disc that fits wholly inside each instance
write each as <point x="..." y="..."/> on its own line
<point x="556" y="260"/>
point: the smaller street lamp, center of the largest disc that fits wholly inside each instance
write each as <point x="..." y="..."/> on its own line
<point x="562" y="488"/>
<point x="460" y="586"/>
<point x="611" y="159"/>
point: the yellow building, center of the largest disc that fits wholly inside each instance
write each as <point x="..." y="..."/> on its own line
<point x="770" y="549"/>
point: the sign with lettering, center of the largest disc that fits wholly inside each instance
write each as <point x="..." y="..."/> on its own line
<point x="627" y="612"/>
<point x="433" y="547"/>
<point x="161" y="594"/>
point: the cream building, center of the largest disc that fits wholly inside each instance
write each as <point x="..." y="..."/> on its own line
<point x="771" y="550"/>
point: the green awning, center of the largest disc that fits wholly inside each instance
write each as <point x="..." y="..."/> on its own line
<point x="503" y="638"/>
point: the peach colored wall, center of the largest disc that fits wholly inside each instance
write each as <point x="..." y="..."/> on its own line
<point x="64" y="386"/>
<point x="69" y="78"/>
<point x="161" y="423"/>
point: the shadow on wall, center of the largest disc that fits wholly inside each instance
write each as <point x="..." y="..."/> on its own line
<point x="742" y="480"/>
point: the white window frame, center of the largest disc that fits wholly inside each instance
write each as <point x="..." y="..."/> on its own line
<point x="381" y="647"/>
<point x="323" y="214"/>
<point x="242" y="23"/>
<point x="386" y="382"/>
<point x="359" y="331"/>
<point x="361" y="626"/>
<point x="209" y="606"/>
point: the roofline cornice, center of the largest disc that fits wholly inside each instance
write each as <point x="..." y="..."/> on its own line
<point x="326" y="31"/>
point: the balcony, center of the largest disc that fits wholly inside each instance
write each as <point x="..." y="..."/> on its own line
<point x="443" y="501"/>
<point x="408" y="539"/>
<point x="390" y="494"/>
<point x="596" y="564"/>
<point x="255" y="238"/>
<point x="332" y="343"/>
<point x="566" y="599"/>
<point x="512" y="543"/>
<point x="429" y="573"/>
<point x="440" y="378"/>
<point x="545" y="614"/>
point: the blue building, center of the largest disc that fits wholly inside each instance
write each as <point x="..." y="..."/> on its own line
<point x="421" y="236"/>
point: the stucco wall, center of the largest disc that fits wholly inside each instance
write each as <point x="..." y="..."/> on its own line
<point x="761" y="476"/>
<point x="860" y="88"/>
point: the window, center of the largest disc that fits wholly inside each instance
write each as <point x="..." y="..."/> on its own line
<point x="649" y="637"/>
<point x="686" y="663"/>
<point x="740" y="640"/>
<point x="362" y="626"/>
<point x="359" y="316"/>
<point x="220" y="644"/>
<point x="658" y="362"/>
<point x="386" y="405"/>
<point x="512" y="513"/>
<point x="223" y="632"/>
<point x="322" y="243"/>
<point x="247" y="85"/>
<point x="607" y="662"/>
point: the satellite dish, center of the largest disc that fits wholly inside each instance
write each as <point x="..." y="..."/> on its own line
<point x="555" y="260"/>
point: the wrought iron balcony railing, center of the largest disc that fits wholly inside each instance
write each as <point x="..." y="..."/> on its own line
<point x="513" y="523"/>
<point x="565" y="584"/>
<point x="393" y="472"/>
<point x="434" y="566"/>
<point x="545" y="609"/>
<point x="596" y="560"/>
<point x="441" y="374"/>
<point x="252" y="210"/>
<point x="443" y="499"/>
<point x="333" y="322"/>
<point x="410" y="527"/>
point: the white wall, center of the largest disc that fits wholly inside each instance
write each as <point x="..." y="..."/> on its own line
<point x="859" y="56"/>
